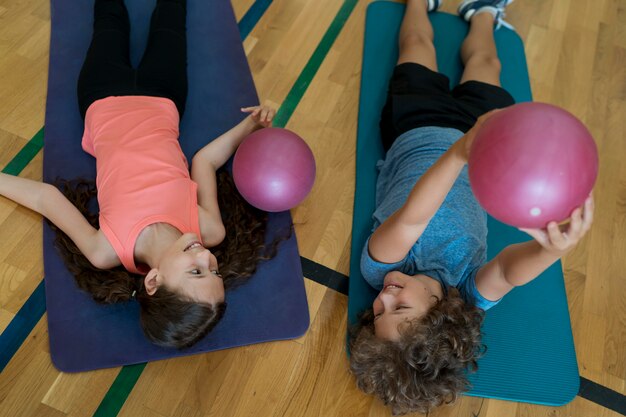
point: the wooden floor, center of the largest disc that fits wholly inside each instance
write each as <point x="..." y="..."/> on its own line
<point x="576" y="52"/>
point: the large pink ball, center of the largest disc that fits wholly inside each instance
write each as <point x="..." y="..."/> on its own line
<point x="274" y="169"/>
<point x="532" y="163"/>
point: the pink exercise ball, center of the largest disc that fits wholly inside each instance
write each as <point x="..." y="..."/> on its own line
<point x="532" y="163"/>
<point x="274" y="169"/>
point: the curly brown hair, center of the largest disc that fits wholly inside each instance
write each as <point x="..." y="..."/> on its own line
<point x="427" y="366"/>
<point x="169" y="319"/>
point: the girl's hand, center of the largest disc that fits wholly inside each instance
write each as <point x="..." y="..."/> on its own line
<point x="261" y="115"/>
<point x="560" y="242"/>
<point x="464" y="144"/>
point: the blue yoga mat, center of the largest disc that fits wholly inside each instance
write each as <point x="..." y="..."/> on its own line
<point x="530" y="350"/>
<point x="271" y="306"/>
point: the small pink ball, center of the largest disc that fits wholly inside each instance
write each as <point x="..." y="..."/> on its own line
<point x="532" y="163"/>
<point x="274" y="169"/>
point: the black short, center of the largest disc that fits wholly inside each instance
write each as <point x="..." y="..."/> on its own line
<point x="419" y="97"/>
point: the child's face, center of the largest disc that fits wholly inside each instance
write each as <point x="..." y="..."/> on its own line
<point x="190" y="269"/>
<point x="403" y="298"/>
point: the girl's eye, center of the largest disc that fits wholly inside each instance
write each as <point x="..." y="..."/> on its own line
<point x="195" y="271"/>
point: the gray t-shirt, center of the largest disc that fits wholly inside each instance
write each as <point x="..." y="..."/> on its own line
<point x="453" y="246"/>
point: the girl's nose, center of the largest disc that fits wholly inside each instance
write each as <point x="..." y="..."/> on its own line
<point x="204" y="257"/>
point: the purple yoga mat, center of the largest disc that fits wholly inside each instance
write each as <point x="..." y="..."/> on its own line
<point x="271" y="306"/>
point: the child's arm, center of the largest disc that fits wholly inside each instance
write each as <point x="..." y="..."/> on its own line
<point x="48" y="201"/>
<point x="215" y="154"/>
<point x="393" y="239"/>
<point x="520" y="263"/>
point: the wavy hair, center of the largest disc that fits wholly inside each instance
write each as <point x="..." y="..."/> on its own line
<point x="427" y="366"/>
<point x="167" y="318"/>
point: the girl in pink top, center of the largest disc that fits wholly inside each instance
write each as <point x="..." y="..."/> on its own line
<point x="156" y="219"/>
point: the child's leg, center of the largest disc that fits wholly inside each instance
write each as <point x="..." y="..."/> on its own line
<point x="478" y="52"/>
<point x="106" y="70"/>
<point x="416" y="89"/>
<point x="163" y="68"/>
<point x="479" y="91"/>
<point x="416" y="36"/>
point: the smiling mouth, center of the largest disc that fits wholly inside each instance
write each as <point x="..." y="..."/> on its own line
<point x="392" y="286"/>
<point x="192" y="245"/>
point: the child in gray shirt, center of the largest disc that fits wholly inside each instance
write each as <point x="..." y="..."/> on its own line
<point x="427" y="253"/>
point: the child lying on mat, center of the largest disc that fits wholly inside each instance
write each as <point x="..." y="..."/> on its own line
<point x="427" y="253"/>
<point x="156" y="220"/>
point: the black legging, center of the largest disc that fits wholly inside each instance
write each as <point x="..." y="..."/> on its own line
<point x="162" y="72"/>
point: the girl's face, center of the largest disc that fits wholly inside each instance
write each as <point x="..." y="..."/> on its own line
<point x="190" y="269"/>
<point x="403" y="298"/>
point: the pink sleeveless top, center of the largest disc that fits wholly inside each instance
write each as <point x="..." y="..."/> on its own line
<point x="142" y="173"/>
